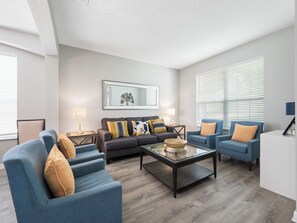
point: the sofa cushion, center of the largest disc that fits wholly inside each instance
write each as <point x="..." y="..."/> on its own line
<point x="118" y="129"/>
<point x="159" y="126"/>
<point x="146" y="139"/>
<point x="197" y="138"/>
<point x="130" y="125"/>
<point x="243" y="133"/>
<point x="92" y="180"/>
<point x="105" y="120"/>
<point x="140" y="128"/>
<point x="58" y="174"/>
<point x="144" y="119"/>
<point x="234" y="145"/>
<point x="120" y="143"/>
<point x="165" y="135"/>
<point x="66" y="146"/>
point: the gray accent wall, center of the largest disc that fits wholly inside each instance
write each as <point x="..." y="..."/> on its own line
<point x="278" y="52"/>
<point x="81" y="74"/>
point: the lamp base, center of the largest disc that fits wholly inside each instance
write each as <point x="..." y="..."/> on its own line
<point x="80" y="132"/>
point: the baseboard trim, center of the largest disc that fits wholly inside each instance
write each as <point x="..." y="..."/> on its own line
<point x="294" y="219"/>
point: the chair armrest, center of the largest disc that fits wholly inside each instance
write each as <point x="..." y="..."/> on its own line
<point x="169" y="128"/>
<point x="99" y="204"/>
<point x="211" y="140"/>
<point x="192" y="133"/>
<point x="85" y="148"/>
<point x="253" y="149"/>
<point x="88" y="167"/>
<point x="223" y="137"/>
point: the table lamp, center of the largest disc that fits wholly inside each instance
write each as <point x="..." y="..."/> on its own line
<point x="290" y="110"/>
<point x="171" y="112"/>
<point x="79" y="114"/>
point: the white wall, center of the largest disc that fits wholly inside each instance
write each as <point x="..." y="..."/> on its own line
<point x="31" y="85"/>
<point x="278" y="52"/>
<point x="81" y="75"/>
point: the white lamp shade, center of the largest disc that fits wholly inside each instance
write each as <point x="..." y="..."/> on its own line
<point x="171" y="111"/>
<point x="79" y="113"/>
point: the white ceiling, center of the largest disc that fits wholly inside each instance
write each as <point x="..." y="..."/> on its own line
<point x="16" y="15"/>
<point x="171" y="33"/>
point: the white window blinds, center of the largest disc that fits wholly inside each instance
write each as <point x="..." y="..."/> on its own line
<point x="8" y="96"/>
<point x="233" y="93"/>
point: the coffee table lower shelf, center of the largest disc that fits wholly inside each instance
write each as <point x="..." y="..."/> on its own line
<point x="186" y="175"/>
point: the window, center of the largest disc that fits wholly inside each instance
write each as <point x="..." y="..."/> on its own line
<point x="233" y="93"/>
<point x="8" y="96"/>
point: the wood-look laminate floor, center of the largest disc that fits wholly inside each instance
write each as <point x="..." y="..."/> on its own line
<point x="235" y="196"/>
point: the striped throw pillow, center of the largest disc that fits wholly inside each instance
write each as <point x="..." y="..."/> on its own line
<point x="118" y="129"/>
<point x="159" y="126"/>
<point x="140" y="128"/>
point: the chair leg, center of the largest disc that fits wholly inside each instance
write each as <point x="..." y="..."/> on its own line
<point x="219" y="156"/>
<point x="107" y="161"/>
<point x="257" y="161"/>
<point x="250" y="165"/>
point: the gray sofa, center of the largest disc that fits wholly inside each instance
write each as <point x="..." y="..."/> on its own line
<point x="129" y="145"/>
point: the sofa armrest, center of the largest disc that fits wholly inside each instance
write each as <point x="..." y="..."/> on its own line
<point x="105" y="199"/>
<point x="88" y="167"/>
<point x="254" y="149"/>
<point x="103" y="136"/>
<point x="85" y="148"/>
<point x="169" y="128"/>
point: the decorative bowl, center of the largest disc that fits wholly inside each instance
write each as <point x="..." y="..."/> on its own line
<point x="175" y="143"/>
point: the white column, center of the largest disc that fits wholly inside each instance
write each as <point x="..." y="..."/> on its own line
<point x="295" y="212"/>
<point x="52" y="92"/>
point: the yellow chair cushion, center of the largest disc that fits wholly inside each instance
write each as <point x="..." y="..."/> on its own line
<point x="244" y="133"/>
<point x="118" y="129"/>
<point x="66" y="146"/>
<point x="208" y="128"/>
<point x="159" y="126"/>
<point x="58" y="174"/>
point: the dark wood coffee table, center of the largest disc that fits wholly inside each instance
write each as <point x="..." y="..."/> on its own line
<point x="178" y="170"/>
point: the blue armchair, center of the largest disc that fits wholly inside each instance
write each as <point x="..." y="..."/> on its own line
<point x="249" y="151"/>
<point x="194" y="137"/>
<point x="97" y="198"/>
<point x="83" y="153"/>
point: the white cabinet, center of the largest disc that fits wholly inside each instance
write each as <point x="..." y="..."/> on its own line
<point x="277" y="163"/>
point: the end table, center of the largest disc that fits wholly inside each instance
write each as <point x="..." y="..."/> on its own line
<point x="179" y="129"/>
<point x="88" y="137"/>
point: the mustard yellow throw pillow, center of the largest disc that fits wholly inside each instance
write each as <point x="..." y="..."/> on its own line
<point x="159" y="126"/>
<point x="150" y="123"/>
<point x="208" y="128"/>
<point x="118" y="129"/>
<point x="243" y="133"/>
<point x="58" y="174"/>
<point x="66" y="146"/>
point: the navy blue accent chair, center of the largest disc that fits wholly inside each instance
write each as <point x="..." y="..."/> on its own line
<point x="97" y="198"/>
<point x="194" y="138"/>
<point x="248" y="152"/>
<point x="83" y="153"/>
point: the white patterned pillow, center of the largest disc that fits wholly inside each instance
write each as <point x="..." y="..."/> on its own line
<point x="140" y="128"/>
